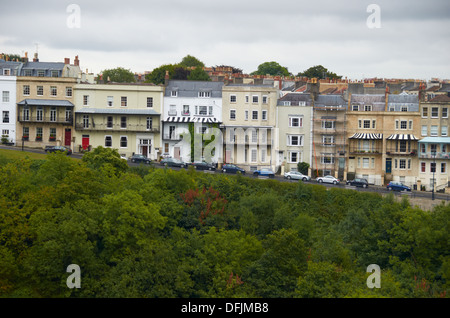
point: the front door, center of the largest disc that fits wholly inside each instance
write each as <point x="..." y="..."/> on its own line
<point x="388" y="165"/>
<point x="176" y="152"/>
<point x="85" y="142"/>
<point x="68" y="137"/>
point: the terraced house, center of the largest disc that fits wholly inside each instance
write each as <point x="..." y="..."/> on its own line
<point x="329" y="135"/>
<point x="434" y="146"/>
<point x="8" y="77"/>
<point x="121" y="116"/>
<point x="192" y="109"/>
<point x="383" y="137"/>
<point x="294" y="123"/>
<point x="249" y="125"/>
<point x="45" y="102"/>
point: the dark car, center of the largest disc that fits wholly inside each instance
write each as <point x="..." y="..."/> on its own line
<point x="140" y="158"/>
<point x="68" y="151"/>
<point x="230" y="168"/>
<point x="358" y="183"/>
<point x="203" y="165"/>
<point x="397" y="186"/>
<point x="173" y="162"/>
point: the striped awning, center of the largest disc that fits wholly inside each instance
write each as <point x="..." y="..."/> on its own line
<point x="185" y="119"/>
<point x="402" y="137"/>
<point x="367" y="136"/>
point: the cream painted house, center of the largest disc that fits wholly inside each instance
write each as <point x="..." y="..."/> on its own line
<point x="249" y="125"/>
<point x="121" y="116"/>
<point x="294" y="123"/>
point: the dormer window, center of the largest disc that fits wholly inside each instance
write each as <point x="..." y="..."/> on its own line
<point x="174" y="93"/>
<point x="204" y="94"/>
<point x="7" y="71"/>
<point x="41" y="73"/>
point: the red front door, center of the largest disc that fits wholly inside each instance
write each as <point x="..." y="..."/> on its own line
<point x="85" y="142"/>
<point x="68" y="137"/>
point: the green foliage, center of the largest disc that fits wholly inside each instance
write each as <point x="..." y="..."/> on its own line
<point x="107" y="158"/>
<point x="166" y="233"/>
<point x="191" y="61"/>
<point x="271" y="68"/>
<point x="157" y="76"/>
<point x="320" y="72"/>
<point x="303" y="167"/>
<point x="118" y="75"/>
<point x="198" y="74"/>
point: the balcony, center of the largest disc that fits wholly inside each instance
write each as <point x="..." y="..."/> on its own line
<point x="45" y="120"/>
<point x="433" y="155"/>
<point x="117" y="128"/>
<point x="173" y="137"/>
<point x="369" y="152"/>
<point x="401" y="152"/>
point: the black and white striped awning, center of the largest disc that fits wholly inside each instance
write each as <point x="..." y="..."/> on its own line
<point x="367" y="136"/>
<point x="206" y="120"/>
<point x="402" y="137"/>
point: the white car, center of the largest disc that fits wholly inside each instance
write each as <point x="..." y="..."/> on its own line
<point x="296" y="176"/>
<point x="328" y="179"/>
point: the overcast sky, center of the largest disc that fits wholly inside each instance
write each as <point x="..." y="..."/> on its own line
<point x="412" y="41"/>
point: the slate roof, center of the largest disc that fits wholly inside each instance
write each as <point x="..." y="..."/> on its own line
<point x="440" y="98"/>
<point x="330" y="100"/>
<point x="295" y="98"/>
<point x="191" y="88"/>
<point x="45" y="102"/>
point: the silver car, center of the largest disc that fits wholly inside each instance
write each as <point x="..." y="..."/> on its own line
<point x="328" y="179"/>
<point x="295" y="175"/>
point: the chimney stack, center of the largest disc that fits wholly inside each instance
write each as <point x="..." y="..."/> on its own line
<point x="36" y="59"/>
<point x="166" y="78"/>
<point x="66" y="60"/>
<point x="76" y="61"/>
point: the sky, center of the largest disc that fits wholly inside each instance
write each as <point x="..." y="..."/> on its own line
<point x="357" y="39"/>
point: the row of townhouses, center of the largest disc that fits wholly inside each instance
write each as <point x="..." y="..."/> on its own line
<point x="379" y="130"/>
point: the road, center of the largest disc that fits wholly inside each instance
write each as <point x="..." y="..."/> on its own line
<point x="371" y="188"/>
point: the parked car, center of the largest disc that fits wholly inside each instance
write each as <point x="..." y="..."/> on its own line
<point x="50" y="149"/>
<point x="173" y="162"/>
<point x="358" y="182"/>
<point x="397" y="186"/>
<point x="140" y="158"/>
<point x="264" y="172"/>
<point x="328" y="179"/>
<point x="296" y="176"/>
<point x="230" y="168"/>
<point x="203" y="165"/>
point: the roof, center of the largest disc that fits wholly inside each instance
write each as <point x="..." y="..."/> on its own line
<point x="45" y="102"/>
<point x="330" y="100"/>
<point x="436" y="140"/>
<point x="440" y="98"/>
<point x="409" y="99"/>
<point x="191" y="88"/>
<point x="295" y="98"/>
<point x="113" y="111"/>
<point x="44" y="66"/>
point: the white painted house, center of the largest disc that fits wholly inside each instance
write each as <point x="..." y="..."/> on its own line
<point x="196" y="104"/>
<point x="8" y="107"/>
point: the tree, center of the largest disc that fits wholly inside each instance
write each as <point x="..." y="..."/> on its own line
<point x="191" y="61"/>
<point x="198" y="74"/>
<point x="118" y="75"/>
<point x="157" y="76"/>
<point x="101" y="156"/>
<point x="320" y="72"/>
<point x="271" y="68"/>
<point x="303" y="167"/>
